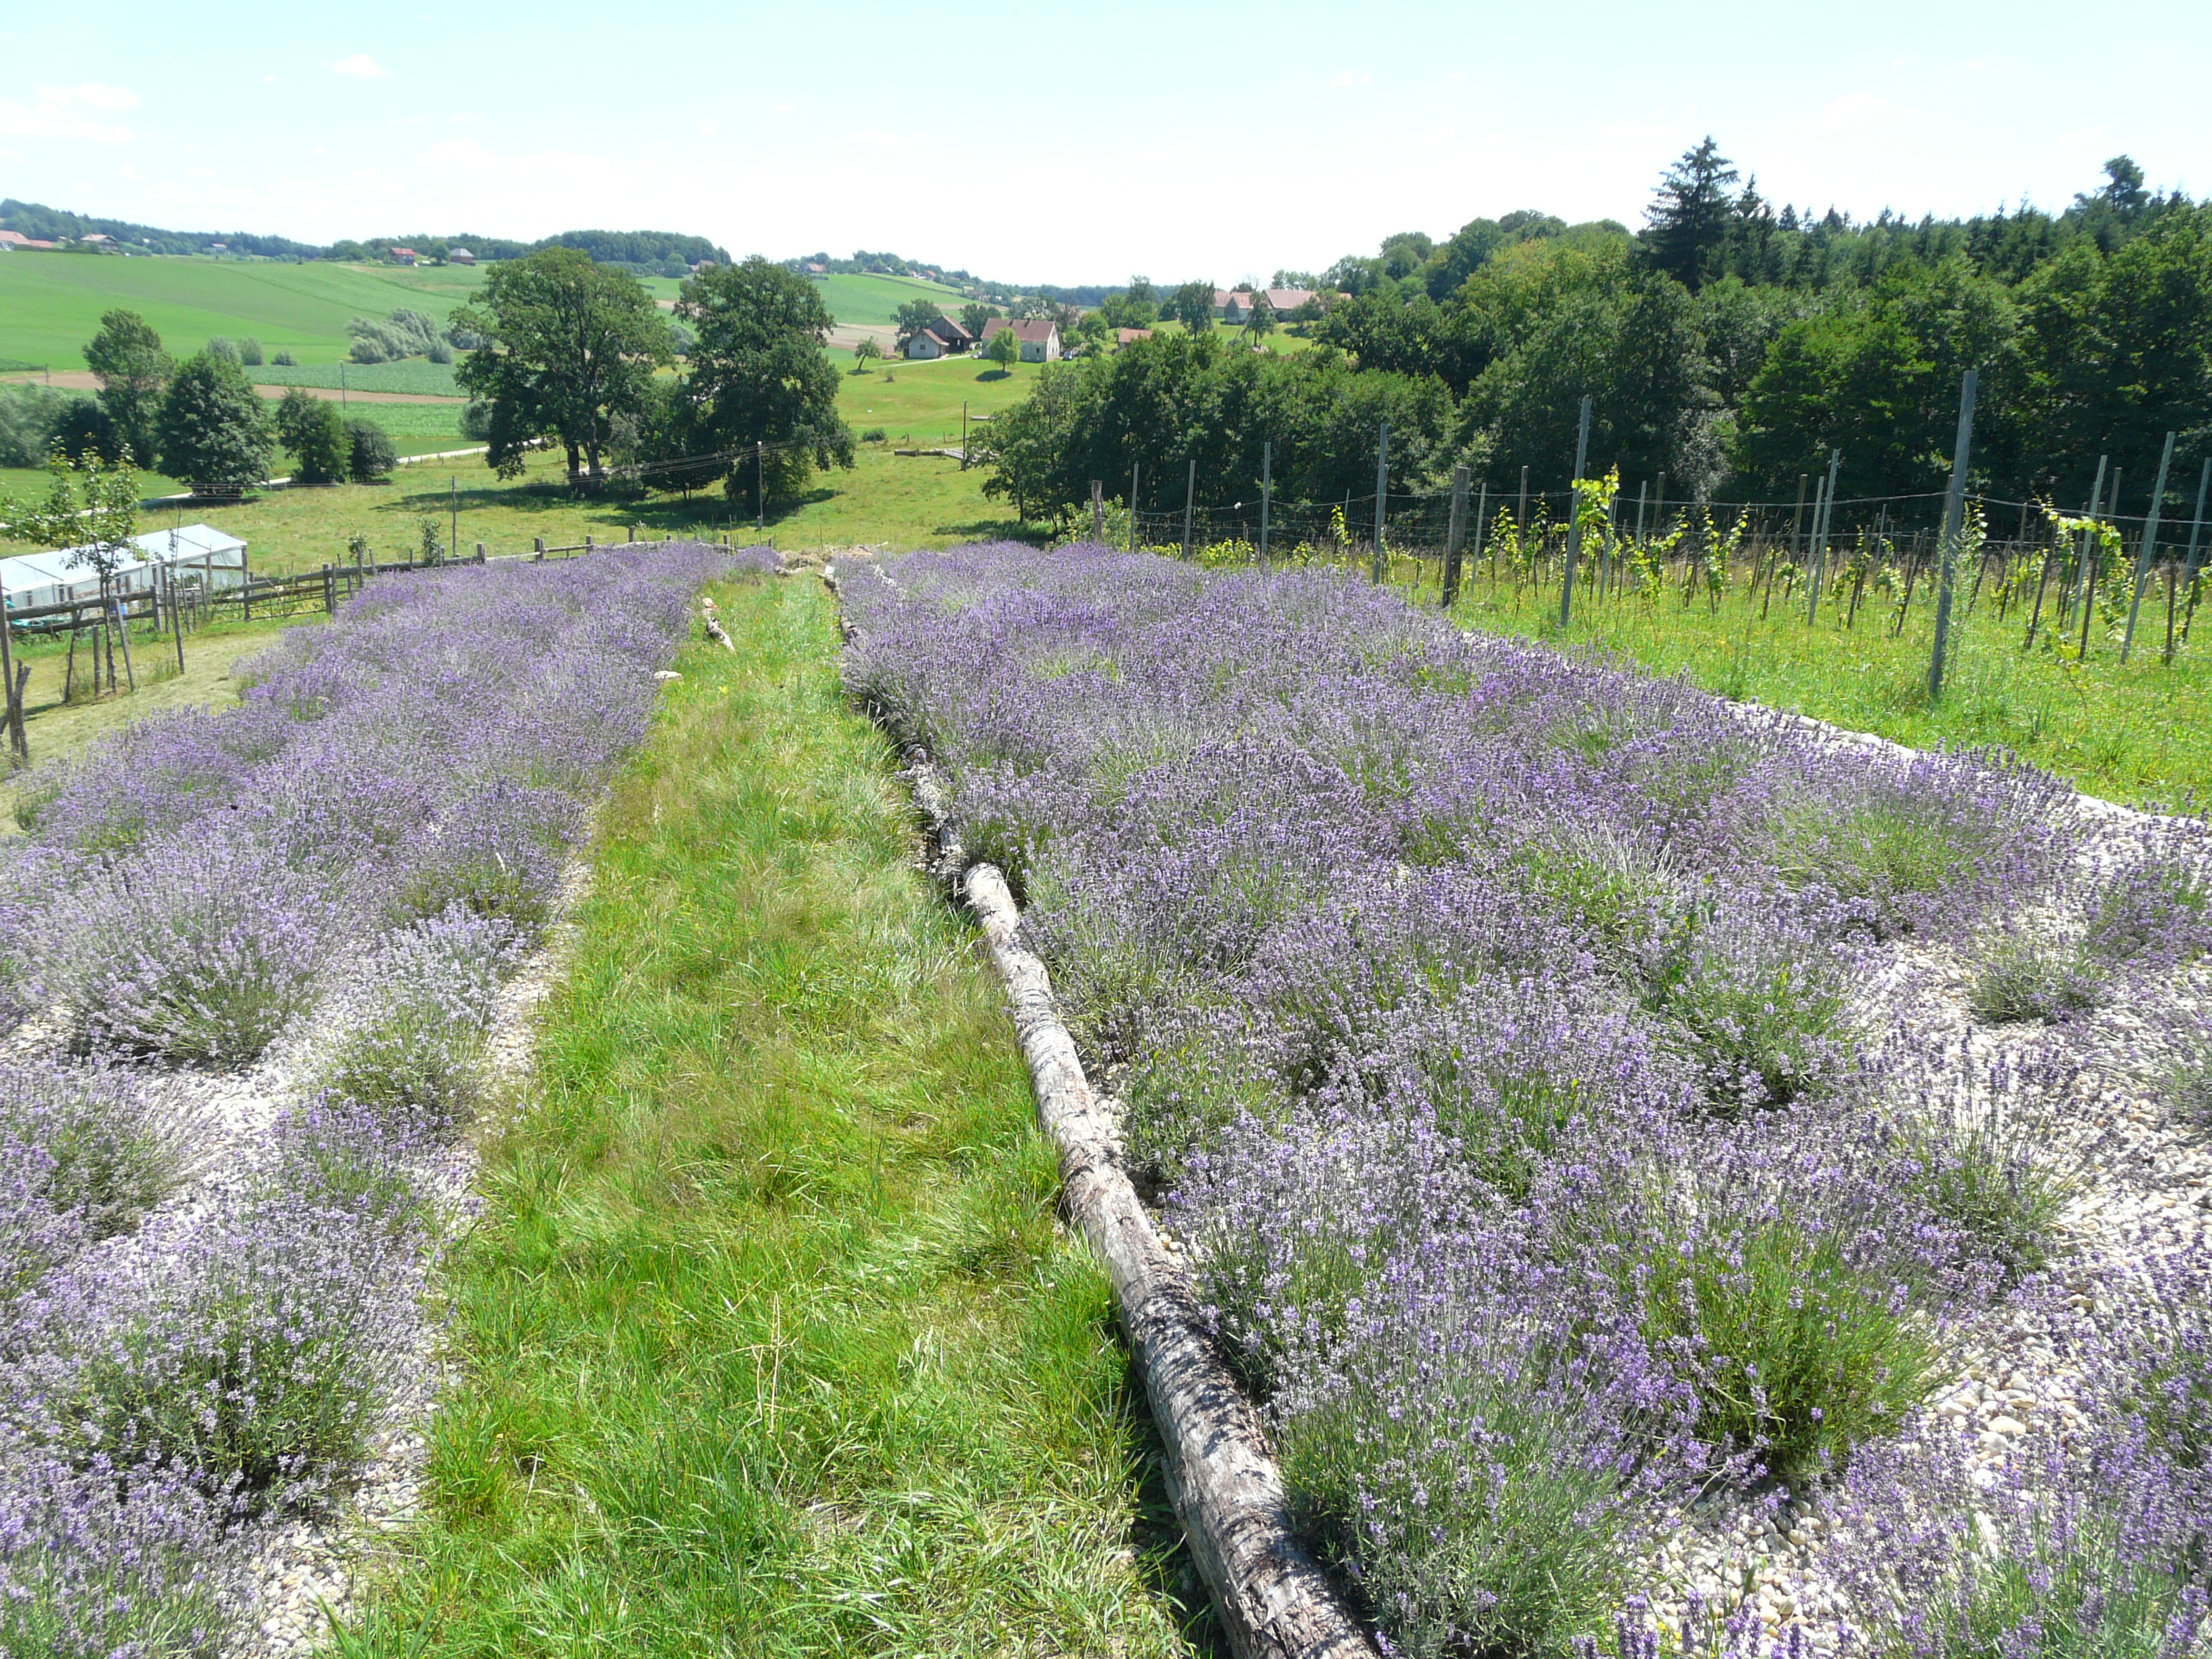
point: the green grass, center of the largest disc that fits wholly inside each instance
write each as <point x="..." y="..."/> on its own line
<point x="51" y="304"/>
<point x="2139" y="734"/>
<point x="768" y="1341"/>
<point x="876" y="299"/>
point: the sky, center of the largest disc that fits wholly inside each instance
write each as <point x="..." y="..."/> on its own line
<point x="1071" y="144"/>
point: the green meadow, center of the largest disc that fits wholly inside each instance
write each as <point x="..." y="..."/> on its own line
<point x="876" y="299"/>
<point x="50" y="303"/>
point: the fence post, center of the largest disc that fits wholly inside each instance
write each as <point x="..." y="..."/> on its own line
<point x="17" y="746"/>
<point x="1798" y="517"/>
<point x="760" y="486"/>
<point x="1954" y="517"/>
<point x="2189" y="574"/>
<point x="537" y="550"/>
<point x="1189" y="500"/>
<point x="1575" y="516"/>
<point x="2149" y="548"/>
<point x="1133" y="467"/>
<point x="589" y="544"/>
<point x="1381" y="494"/>
<point x="1266" y="494"/>
<point x="1521" y="523"/>
<point x="1454" y="534"/>
<point x="330" y="592"/>
<point x="480" y="552"/>
<point x="633" y="532"/>
<point x="1482" y="535"/>
<point x="1097" y="511"/>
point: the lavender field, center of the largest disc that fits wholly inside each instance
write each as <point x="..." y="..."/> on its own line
<point x="252" y="962"/>
<point x="1673" y="1175"/>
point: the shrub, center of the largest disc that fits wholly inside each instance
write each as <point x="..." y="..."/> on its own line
<point x="314" y="431"/>
<point x="340" y="1155"/>
<point x="249" y="352"/>
<point x="198" y="953"/>
<point x="874" y="434"/>
<point x="2021" y="974"/>
<point x="439" y="352"/>
<point x="476" y="420"/>
<point x="101" y="1561"/>
<point x="250" y="1347"/>
<point x="368" y="349"/>
<point x="30" y="419"/>
<point x="285" y="360"/>
<point x="420" y="1050"/>
<point x="1979" y="1173"/>
<point x="83" y="1154"/>
<point x="1758" y="1000"/>
<point x="222" y="349"/>
<point x="371" y="455"/>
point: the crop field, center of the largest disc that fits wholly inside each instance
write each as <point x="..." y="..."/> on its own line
<point x="862" y="299"/>
<point x="253" y="961"/>
<point x="416" y="375"/>
<point x="51" y="304"/>
<point x="1662" y="1165"/>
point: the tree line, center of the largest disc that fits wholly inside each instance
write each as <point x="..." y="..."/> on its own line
<point x="1728" y="344"/>
<point x="200" y="420"/>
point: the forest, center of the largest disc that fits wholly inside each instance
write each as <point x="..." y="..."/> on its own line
<point x="1729" y="344"/>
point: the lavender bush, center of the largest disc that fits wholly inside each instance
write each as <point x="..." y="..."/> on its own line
<point x="1505" y="1031"/>
<point x="362" y="850"/>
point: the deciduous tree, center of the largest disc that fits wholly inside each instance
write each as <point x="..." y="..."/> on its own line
<point x="759" y="375"/>
<point x="214" y="432"/>
<point x="127" y="359"/>
<point x="568" y="345"/>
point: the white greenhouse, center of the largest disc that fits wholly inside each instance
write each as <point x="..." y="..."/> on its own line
<point x="201" y="556"/>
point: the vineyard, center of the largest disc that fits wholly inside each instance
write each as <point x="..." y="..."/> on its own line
<point x="1662" y="1165"/>
<point x="256" y="964"/>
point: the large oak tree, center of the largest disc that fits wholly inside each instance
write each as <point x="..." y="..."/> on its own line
<point x="571" y="347"/>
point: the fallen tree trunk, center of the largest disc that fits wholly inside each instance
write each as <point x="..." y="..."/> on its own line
<point x="1273" y="1599"/>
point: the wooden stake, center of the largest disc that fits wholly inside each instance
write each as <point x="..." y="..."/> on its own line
<point x="1575" y="516"/>
<point x="1954" y="520"/>
<point x="1266" y="494"/>
<point x="1189" y="506"/>
<point x="2148" y="548"/>
<point x="1381" y="494"/>
<point x="1454" y="532"/>
<point x="2196" y="528"/>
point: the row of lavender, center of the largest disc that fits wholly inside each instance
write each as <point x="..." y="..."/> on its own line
<point x="250" y="959"/>
<point x="1531" y="1055"/>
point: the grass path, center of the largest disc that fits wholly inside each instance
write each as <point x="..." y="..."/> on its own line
<point x="769" y="1341"/>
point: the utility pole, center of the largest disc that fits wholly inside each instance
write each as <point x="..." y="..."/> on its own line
<point x="454" y="515"/>
<point x="964" y="434"/>
<point x="1266" y="494"/>
<point x="1954" y="520"/>
<point x="2143" y="553"/>
<point x="1575" y="516"/>
<point x="1454" y="534"/>
<point x="760" y="486"/>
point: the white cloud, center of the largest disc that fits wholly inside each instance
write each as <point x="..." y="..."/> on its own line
<point x="60" y="112"/>
<point x="1351" y="78"/>
<point x="361" y="66"/>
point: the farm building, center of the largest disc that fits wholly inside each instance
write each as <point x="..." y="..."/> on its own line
<point x="1232" y="305"/>
<point x="460" y="256"/>
<point x="941" y="338"/>
<point x="199" y="553"/>
<point x="1130" y="336"/>
<point x="1287" y="299"/>
<point x="402" y="255"/>
<point x="1038" y="338"/>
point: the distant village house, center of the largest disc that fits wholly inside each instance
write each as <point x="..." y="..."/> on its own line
<point x="1037" y="339"/>
<point x="404" y="256"/>
<point x="460" y="256"/>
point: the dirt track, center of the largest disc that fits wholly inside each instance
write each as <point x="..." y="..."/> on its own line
<point x="81" y="379"/>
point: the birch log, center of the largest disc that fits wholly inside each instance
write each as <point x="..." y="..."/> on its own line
<point x="1273" y="1599"/>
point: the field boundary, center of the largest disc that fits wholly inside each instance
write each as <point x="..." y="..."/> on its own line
<point x="1273" y="1598"/>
